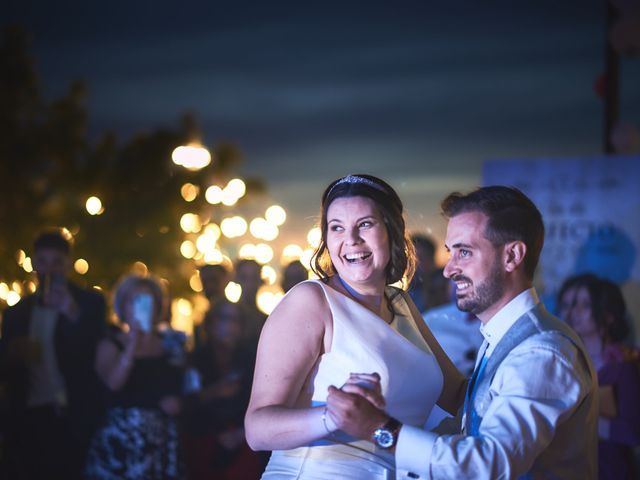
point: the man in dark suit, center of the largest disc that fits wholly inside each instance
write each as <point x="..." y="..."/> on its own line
<point x="47" y="353"/>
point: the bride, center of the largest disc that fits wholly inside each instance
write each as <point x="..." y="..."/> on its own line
<point x="350" y="320"/>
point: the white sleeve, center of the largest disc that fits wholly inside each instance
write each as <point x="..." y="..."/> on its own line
<point x="526" y="407"/>
<point x="413" y="452"/>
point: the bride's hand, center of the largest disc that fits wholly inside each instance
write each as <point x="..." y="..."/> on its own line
<point x="366" y="385"/>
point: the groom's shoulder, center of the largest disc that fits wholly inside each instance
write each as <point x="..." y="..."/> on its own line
<point x="547" y="331"/>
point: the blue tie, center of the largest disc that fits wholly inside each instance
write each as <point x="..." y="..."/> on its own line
<point x="473" y="418"/>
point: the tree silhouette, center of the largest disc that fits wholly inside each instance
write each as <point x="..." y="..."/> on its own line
<point x="48" y="169"/>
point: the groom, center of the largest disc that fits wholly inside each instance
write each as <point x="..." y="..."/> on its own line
<point x="530" y="408"/>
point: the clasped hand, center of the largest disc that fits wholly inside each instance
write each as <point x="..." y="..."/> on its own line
<point x="357" y="407"/>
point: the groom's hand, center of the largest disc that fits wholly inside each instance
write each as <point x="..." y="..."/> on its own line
<point x="353" y="413"/>
<point x="366" y="385"/>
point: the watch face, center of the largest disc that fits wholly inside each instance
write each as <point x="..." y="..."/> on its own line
<point x="384" y="438"/>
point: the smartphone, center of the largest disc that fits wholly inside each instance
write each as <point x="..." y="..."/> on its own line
<point x="143" y="311"/>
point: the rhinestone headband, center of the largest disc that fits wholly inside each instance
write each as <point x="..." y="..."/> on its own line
<point x="353" y="179"/>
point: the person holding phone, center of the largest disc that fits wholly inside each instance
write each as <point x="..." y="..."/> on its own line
<point x="47" y="346"/>
<point x="139" y="438"/>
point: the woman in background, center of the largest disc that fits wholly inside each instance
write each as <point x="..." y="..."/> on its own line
<point x="143" y="372"/>
<point x="596" y="310"/>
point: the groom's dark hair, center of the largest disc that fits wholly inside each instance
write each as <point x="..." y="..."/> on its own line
<point x="511" y="216"/>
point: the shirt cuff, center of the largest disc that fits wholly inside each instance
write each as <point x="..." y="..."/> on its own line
<point x="413" y="452"/>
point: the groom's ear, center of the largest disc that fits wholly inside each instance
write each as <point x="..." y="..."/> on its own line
<point x="513" y="255"/>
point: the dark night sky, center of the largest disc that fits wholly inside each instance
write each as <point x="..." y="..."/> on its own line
<point x="418" y="92"/>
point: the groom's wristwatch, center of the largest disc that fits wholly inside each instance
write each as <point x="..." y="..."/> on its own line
<point x="387" y="435"/>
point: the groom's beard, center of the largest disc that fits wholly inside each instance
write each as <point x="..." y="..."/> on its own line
<point x="484" y="294"/>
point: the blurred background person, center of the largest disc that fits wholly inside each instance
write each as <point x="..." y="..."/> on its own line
<point x="248" y="274"/>
<point x="214" y="420"/>
<point x="214" y="279"/>
<point x="143" y="372"/>
<point x="425" y="264"/>
<point x="596" y="310"/>
<point x="293" y="274"/>
<point x="438" y="290"/>
<point x="49" y="342"/>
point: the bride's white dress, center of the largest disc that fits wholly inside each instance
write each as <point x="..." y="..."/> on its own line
<point x="411" y="382"/>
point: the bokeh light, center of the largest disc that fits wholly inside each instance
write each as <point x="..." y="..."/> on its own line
<point x="314" y="236"/>
<point x="233" y="227"/>
<point x="276" y="215"/>
<point x="4" y="290"/>
<point x="189" y="192"/>
<point x="190" y="223"/>
<point x="81" y="266"/>
<point x="94" y="206"/>
<point x="12" y="298"/>
<point x="139" y="268"/>
<point x="183" y="306"/>
<point x="206" y="242"/>
<point x="247" y="251"/>
<point x="195" y="282"/>
<point x="268" y="274"/>
<point x="214" y="257"/>
<point x="236" y="187"/>
<point x="267" y="301"/>
<point x="233" y="291"/>
<point x="213" y="195"/>
<point x="27" y="265"/>
<point x="291" y="252"/>
<point x="187" y="249"/>
<point x="213" y="230"/>
<point x="306" y="257"/>
<point x="192" y="157"/>
<point x="66" y="233"/>
<point x="264" y="253"/>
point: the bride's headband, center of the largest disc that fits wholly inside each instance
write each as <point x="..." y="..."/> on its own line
<point x="355" y="179"/>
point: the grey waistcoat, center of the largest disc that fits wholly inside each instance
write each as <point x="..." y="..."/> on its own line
<point x="533" y="322"/>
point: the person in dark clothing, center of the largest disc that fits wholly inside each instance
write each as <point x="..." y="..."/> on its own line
<point x="214" y="430"/>
<point x="48" y="346"/>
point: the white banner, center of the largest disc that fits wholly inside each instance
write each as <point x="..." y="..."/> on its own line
<point x="591" y="211"/>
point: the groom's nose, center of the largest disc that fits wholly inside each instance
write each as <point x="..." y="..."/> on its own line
<point x="450" y="268"/>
